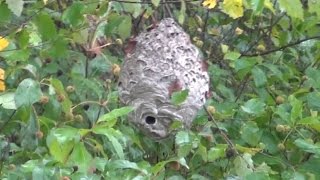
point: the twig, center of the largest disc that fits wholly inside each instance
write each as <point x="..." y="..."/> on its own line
<point x="166" y="4"/>
<point x="242" y="85"/>
<point x="224" y="136"/>
<point x="16" y="49"/>
<point x="204" y="28"/>
<point x="280" y="48"/>
<point x="86" y="102"/>
<point x="27" y="19"/>
<point x="99" y="47"/>
<point x="5" y="123"/>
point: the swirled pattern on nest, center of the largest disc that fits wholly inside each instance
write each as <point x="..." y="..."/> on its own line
<point x="158" y="63"/>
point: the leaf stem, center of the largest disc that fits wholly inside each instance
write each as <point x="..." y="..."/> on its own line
<point x="86" y="102"/>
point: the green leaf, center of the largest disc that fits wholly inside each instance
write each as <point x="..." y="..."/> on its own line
<point x="5" y="13"/>
<point x="116" y="145"/>
<point x="155" y="2"/>
<point x="244" y="65"/>
<point x="66" y="134"/>
<point x="15" y="54"/>
<point x="60" y="147"/>
<point x="202" y="151"/>
<point x="253" y="106"/>
<point x="182" y="137"/>
<point x="257" y="6"/>
<point x="314" y="6"/>
<point x="114" y="114"/>
<point x="124" y="28"/>
<point x="313" y="100"/>
<point x="100" y="163"/>
<point x="309" y="120"/>
<point x="88" y="86"/>
<point x="23" y="39"/>
<point x="16" y="6"/>
<point x="31" y="69"/>
<point x="46" y="26"/>
<point x="158" y="167"/>
<point x="80" y="157"/>
<point x="234" y="8"/>
<point x="135" y="9"/>
<point x="182" y="13"/>
<point x="284" y="112"/>
<point x="232" y="55"/>
<point x="100" y="64"/>
<point x="313" y="122"/>
<point x="296" y="111"/>
<point x="179" y="97"/>
<point x="313" y="77"/>
<point x="308" y="146"/>
<point x="125" y="164"/>
<point x="247" y="131"/>
<point x="59" y="48"/>
<point x="176" y="124"/>
<point x="30" y="141"/>
<point x="59" y="89"/>
<point x="184" y="150"/>
<point x="259" y="77"/>
<point x="7" y="100"/>
<point x="60" y="152"/>
<point x="41" y="173"/>
<point x="110" y="134"/>
<point x="269" y="5"/>
<point x="243" y="165"/>
<point x="219" y="151"/>
<point x="73" y="15"/>
<point x="292" y="7"/>
<point x="27" y="93"/>
<point x="114" y="20"/>
<point x="257" y="176"/>
<point x="181" y="161"/>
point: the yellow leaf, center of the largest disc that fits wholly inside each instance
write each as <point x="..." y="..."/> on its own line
<point x="1" y="74"/>
<point x="2" y="85"/>
<point x="269" y="5"/>
<point x="238" y="31"/>
<point x="210" y="3"/>
<point x="234" y="8"/>
<point x="251" y="151"/>
<point x="3" y="43"/>
<point x="261" y="47"/>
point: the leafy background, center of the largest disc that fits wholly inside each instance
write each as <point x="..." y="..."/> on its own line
<point x="60" y="117"/>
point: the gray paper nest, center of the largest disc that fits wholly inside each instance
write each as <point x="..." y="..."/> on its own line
<point x="162" y="61"/>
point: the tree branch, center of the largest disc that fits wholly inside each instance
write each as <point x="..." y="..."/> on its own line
<point x="224" y="135"/>
<point x="279" y="48"/>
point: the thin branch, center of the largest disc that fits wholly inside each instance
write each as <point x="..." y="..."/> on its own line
<point x="26" y="20"/>
<point x="166" y="4"/>
<point x="16" y="49"/>
<point x="204" y="28"/>
<point x="99" y="47"/>
<point x="224" y="136"/>
<point x="242" y="87"/>
<point x="5" y="123"/>
<point x="280" y="48"/>
<point x="86" y="102"/>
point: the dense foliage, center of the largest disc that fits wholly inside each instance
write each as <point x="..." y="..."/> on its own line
<point x="60" y="117"/>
